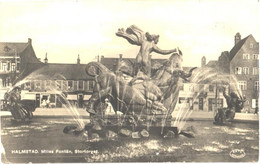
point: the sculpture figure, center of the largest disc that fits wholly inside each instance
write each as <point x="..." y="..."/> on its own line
<point x="19" y="109"/>
<point x="147" y="43"/>
<point x="234" y="103"/>
<point x="142" y="95"/>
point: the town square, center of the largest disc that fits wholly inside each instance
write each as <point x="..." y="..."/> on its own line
<point x="95" y="82"/>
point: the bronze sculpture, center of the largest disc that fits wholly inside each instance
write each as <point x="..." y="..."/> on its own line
<point x="147" y="43"/>
<point x="146" y="94"/>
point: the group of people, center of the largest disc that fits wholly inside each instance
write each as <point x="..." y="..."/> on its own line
<point x="45" y="103"/>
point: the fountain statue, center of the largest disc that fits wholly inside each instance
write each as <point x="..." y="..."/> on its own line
<point x="148" y="94"/>
<point x="20" y="110"/>
<point x="234" y="103"/>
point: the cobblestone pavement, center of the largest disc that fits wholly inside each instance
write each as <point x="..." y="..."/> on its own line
<point x="43" y="140"/>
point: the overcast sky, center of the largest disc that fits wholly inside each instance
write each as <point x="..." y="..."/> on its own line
<point x="65" y="29"/>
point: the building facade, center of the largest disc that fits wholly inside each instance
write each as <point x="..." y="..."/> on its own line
<point x="197" y="96"/>
<point x="242" y="64"/>
<point x="14" y="58"/>
<point x="57" y="83"/>
<point x="42" y="81"/>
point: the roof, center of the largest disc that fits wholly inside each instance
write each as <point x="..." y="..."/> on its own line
<point x="212" y="63"/>
<point x="10" y="49"/>
<point x="60" y="72"/>
<point x="110" y="63"/>
<point x="237" y="47"/>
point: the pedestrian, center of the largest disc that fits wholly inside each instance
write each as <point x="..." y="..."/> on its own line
<point x="256" y="110"/>
<point x="48" y="102"/>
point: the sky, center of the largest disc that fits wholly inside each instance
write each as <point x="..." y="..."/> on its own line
<point x="65" y="28"/>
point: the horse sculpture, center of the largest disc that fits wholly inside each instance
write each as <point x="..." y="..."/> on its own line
<point x="147" y="96"/>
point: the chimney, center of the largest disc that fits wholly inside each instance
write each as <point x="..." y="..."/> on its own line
<point x="29" y="40"/>
<point x="46" y="59"/>
<point x="78" y="60"/>
<point x="120" y="57"/>
<point x="101" y="58"/>
<point x="203" y="61"/>
<point x="237" y="38"/>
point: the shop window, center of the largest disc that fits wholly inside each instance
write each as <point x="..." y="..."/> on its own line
<point x="70" y="84"/>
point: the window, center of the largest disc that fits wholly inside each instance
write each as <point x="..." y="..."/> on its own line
<point x="70" y="84"/>
<point x="64" y="85"/>
<point x="255" y="70"/>
<point x="257" y="85"/>
<point x="251" y="45"/>
<point x="211" y="88"/>
<point x="13" y="67"/>
<point x="80" y="85"/>
<point x="47" y="84"/>
<point x="58" y="84"/>
<point x="18" y="65"/>
<point x="246" y="56"/>
<point x="255" y="56"/>
<point x="27" y="85"/>
<point x="8" y="66"/>
<point x="4" y="66"/>
<point x="37" y="84"/>
<point x="8" y="82"/>
<point x="242" y="85"/>
<point x="91" y="85"/>
<point x="183" y="100"/>
<point x="245" y="70"/>
<point x="254" y="103"/>
<point x="75" y="85"/>
<point x="4" y="82"/>
<point x="238" y="70"/>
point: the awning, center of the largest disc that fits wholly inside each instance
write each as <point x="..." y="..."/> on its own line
<point x="86" y="97"/>
<point x="72" y="97"/>
<point x="28" y="96"/>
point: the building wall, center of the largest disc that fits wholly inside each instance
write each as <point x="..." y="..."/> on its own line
<point x="242" y="68"/>
<point x="224" y="63"/>
<point x="201" y="97"/>
<point x="9" y="70"/>
<point x="53" y="89"/>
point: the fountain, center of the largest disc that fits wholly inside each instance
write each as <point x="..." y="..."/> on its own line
<point x="22" y="110"/>
<point x="147" y="97"/>
<point x="147" y="100"/>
